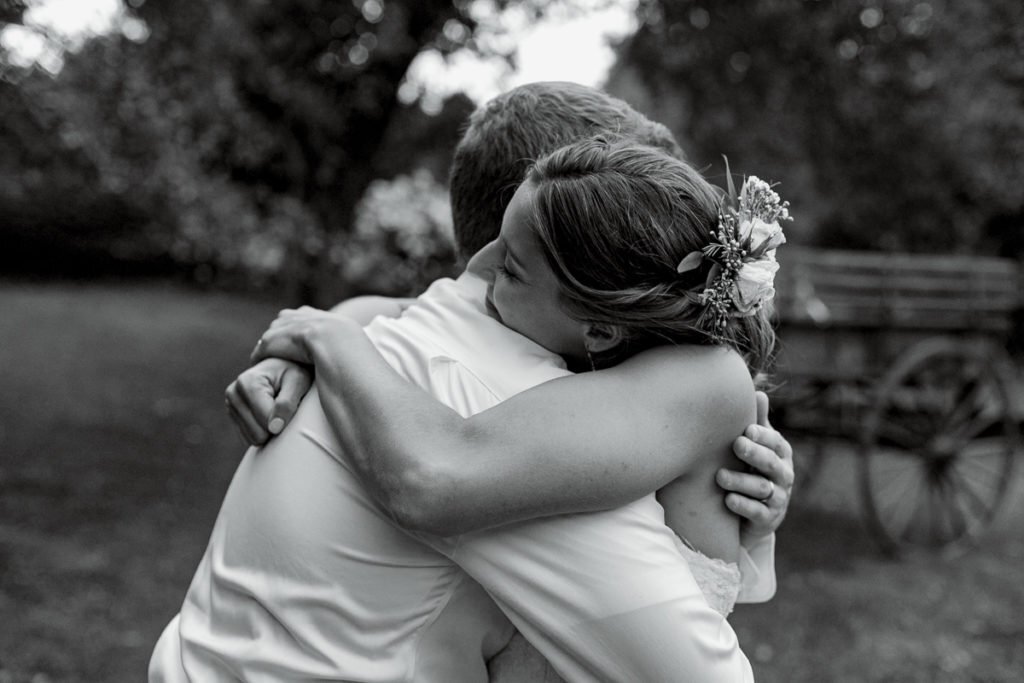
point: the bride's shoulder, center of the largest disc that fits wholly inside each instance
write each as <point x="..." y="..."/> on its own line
<point x="689" y="373"/>
<point x="690" y="358"/>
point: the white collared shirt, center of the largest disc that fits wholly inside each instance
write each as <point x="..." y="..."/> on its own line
<point x="305" y="576"/>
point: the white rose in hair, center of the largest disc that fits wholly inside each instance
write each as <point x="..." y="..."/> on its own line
<point x="762" y="234"/>
<point x="755" y="285"/>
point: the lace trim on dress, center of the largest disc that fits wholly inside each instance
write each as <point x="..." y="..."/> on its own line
<point x="718" y="580"/>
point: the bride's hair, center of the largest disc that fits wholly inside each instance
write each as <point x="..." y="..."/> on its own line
<point x="615" y="219"/>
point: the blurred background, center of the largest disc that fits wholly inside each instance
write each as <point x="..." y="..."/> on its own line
<point x="171" y="174"/>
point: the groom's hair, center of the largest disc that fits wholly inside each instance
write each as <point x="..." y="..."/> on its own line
<point x="506" y="135"/>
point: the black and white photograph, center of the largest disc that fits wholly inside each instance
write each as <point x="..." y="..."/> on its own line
<point x="511" y="341"/>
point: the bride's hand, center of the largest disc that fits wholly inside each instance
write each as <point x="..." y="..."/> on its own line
<point x="292" y="334"/>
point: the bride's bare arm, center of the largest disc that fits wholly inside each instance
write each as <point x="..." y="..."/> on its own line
<point x="263" y="398"/>
<point x="581" y="443"/>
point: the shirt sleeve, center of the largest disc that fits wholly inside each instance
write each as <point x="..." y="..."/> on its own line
<point x="757" y="567"/>
<point x="603" y="596"/>
<point x="458" y="387"/>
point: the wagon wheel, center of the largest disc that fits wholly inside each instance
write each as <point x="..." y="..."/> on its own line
<point x="938" y="446"/>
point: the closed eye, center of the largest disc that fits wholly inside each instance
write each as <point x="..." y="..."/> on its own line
<point x="505" y="272"/>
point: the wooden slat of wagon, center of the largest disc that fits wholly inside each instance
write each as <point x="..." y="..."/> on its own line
<point x="996" y="283"/>
<point x="872" y="260"/>
<point x="886" y="315"/>
<point x="937" y="321"/>
<point x="892" y="291"/>
<point x="895" y="306"/>
<point x="939" y="301"/>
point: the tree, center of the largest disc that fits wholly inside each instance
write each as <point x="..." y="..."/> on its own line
<point x="11" y="11"/>
<point x="892" y="125"/>
<point x="291" y="98"/>
<point x="248" y="131"/>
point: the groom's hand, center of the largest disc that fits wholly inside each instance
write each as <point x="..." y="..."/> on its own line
<point x="760" y="497"/>
<point x="263" y="399"/>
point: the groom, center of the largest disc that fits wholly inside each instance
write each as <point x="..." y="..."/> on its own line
<point x="259" y="402"/>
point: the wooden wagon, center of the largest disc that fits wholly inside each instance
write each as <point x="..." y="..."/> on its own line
<point x="904" y="355"/>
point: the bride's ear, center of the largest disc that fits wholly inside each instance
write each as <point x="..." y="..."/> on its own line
<point x="599" y="337"/>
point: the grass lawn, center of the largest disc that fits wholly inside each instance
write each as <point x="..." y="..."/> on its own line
<point x="116" y="451"/>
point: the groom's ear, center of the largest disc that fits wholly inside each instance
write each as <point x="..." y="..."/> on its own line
<point x="601" y="337"/>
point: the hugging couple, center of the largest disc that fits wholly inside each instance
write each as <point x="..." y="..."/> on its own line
<point x="553" y="467"/>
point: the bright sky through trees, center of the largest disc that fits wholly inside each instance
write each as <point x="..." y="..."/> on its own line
<point x="564" y="45"/>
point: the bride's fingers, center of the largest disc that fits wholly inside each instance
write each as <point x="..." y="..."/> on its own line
<point x="281" y="321"/>
<point x="270" y="342"/>
<point x="258" y="352"/>
<point x="301" y="313"/>
<point x="287" y="317"/>
<point x="283" y="342"/>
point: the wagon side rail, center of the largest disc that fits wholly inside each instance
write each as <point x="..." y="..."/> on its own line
<point x="853" y="289"/>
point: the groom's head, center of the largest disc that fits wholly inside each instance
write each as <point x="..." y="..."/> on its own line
<point x="508" y="133"/>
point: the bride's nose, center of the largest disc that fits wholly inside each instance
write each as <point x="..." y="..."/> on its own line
<point x="485" y="262"/>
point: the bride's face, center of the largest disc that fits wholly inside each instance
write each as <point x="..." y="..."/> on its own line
<point x="523" y="292"/>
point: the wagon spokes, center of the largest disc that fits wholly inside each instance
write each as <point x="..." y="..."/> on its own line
<point x="938" y="446"/>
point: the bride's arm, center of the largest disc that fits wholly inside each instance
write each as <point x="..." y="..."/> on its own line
<point x="581" y="443"/>
<point x="263" y="398"/>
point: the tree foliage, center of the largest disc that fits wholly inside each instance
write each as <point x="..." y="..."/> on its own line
<point x="238" y="135"/>
<point x="891" y="124"/>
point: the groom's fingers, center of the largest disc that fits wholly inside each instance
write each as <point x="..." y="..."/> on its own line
<point x="756" y="512"/>
<point x="753" y="497"/>
<point x="750" y="485"/>
<point x="762" y="408"/>
<point x="247" y="429"/>
<point x="764" y="461"/>
<point x="294" y="384"/>
<point x="768" y="452"/>
<point x="256" y="389"/>
<point x="249" y="402"/>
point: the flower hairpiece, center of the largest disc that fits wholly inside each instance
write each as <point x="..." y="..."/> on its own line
<point x="742" y="255"/>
